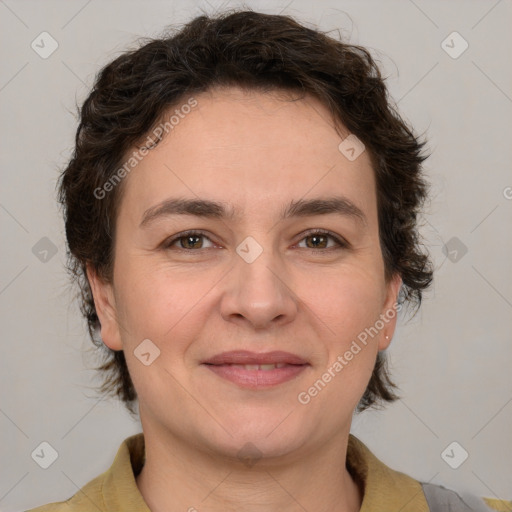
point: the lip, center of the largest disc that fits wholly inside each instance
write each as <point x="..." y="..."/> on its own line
<point x="227" y="366"/>
<point x="247" y="357"/>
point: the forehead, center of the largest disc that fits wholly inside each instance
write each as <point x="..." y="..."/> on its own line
<point x="252" y="150"/>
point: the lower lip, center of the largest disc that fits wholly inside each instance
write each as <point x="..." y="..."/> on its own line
<point x="256" y="379"/>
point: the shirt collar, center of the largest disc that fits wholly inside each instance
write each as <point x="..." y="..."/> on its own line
<point x="385" y="489"/>
<point x="120" y="491"/>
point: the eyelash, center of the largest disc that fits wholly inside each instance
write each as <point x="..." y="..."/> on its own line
<point x="342" y="244"/>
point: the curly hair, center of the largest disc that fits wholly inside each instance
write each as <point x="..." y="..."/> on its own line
<point x="252" y="51"/>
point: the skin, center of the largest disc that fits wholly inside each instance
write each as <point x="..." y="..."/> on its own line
<point x="255" y="152"/>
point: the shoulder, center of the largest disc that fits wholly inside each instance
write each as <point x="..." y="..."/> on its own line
<point x="388" y="490"/>
<point x="115" y="489"/>
<point x="88" y="498"/>
<point x="440" y="499"/>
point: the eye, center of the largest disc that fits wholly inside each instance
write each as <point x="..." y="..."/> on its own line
<point x="319" y="239"/>
<point x="188" y="240"/>
<point x="193" y="240"/>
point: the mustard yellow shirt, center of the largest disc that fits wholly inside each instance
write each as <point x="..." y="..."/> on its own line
<point x="385" y="490"/>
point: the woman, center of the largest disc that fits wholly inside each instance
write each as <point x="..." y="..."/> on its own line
<point x="241" y="218"/>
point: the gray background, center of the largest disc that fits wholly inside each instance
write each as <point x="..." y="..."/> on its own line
<point x="452" y="361"/>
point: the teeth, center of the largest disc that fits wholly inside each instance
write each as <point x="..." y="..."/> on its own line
<point x="264" y="367"/>
<point x="268" y="366"/>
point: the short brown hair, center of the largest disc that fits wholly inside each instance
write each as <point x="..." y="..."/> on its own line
<point x="255" y="51"/>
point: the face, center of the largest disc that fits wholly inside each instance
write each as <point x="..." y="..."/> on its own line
<point x="288" y="259"/>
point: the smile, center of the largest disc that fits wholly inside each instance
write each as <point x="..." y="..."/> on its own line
<point x="257" y="376"/>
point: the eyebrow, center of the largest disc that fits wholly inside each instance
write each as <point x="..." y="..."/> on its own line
<point x="217" y="210"/>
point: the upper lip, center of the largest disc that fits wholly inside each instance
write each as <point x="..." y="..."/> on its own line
<point x="247" y="357"/>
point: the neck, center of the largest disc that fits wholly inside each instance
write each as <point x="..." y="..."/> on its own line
<point x="177" y="476"/>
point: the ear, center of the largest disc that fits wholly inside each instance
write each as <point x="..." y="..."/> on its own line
<point x="104" y="302"/>
<point x="390" y="311"/>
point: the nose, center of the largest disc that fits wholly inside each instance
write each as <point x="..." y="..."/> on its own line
<point x="259" y="294"/>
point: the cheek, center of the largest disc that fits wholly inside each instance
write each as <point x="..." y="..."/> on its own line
<point x="348" y="307"/>
<point x="157" y="303"/>
<point x="346" y="302"/>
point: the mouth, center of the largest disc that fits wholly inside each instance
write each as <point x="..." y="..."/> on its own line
<point x="255" y="371"/>
<point x="264" y="367"/>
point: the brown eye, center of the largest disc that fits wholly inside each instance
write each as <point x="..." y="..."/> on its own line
<point x="188" y="241"/>
<point x="317" y="241"/>
<point x="320" y="240"/>
<point x="191" y="241"/>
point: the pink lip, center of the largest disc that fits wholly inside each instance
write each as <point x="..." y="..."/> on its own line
<point x="222" y="365"/>
<point x="256" y="379"/>
<point x="246" y="357"/>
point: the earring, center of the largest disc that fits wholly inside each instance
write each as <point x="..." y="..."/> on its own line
<point x="387" y="337"/>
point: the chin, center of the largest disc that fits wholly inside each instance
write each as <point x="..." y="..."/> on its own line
<point x="256" y="436"/>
